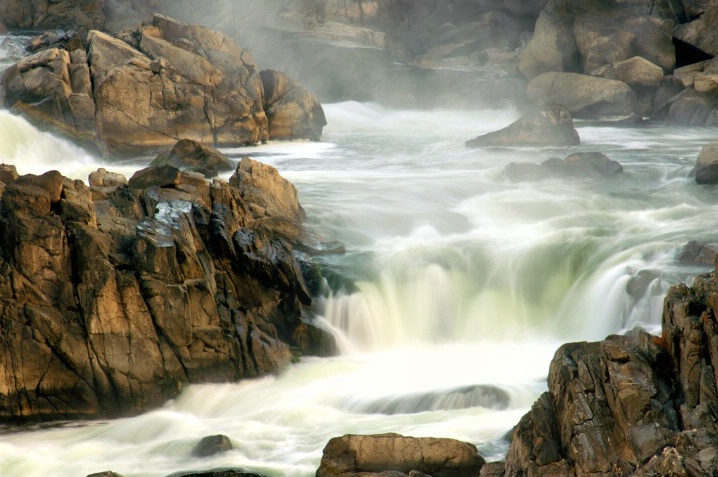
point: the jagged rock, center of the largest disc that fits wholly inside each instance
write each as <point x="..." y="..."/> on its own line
<point x="389" y="454"/>
<point x="81" y="15"/>
<point x="584" y="96"/>
<point x="706" y="169"/>
<point x="547" y="127"/>
<point x="493" y="469"/>
<point x="686" y="75"/>
<point x="167" y="81"/>
<point x="292" y="111"/>
<point x="193" y="156"/>
<point x="113" y="298"/>
<point x="156" y="176"/>
<point x="212" y="445"/>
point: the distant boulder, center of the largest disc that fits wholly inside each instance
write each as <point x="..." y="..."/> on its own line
<point x="547" y="127"/>
<point x="696" y="253"/>
<point x="584" y="96"/>
<point x="212" y="445"/>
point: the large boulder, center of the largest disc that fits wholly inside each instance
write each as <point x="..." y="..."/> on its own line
<point x="82" y="15"/>
<point x="113" y="297"/>
<point x="701" y="32"/>
<point x="547" y="127"/>
<point x="578" y="165"/>
<point x="292" y="111"/>
<point x="691" y="108"/>
<point x="161" y="82"/>
<point x="191" y="155"/>
<point x="393" y="454"/>
<point x="634" y="71"/>
<point x="584" y="96"/>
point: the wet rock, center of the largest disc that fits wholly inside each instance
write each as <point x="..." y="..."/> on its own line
<point x="547" y="127"/>
<point x="386" y="454"/>
<point x="292" y="111"/>
<point x="579" y="165"/>
<point x="8" y="173"/>
<point x="706" y="169"/>
<point x="212" y="445"/>
<point x="194" y="156"/>
<point x="122" y="295"/>
<point x="696" y="253"/>
<point x="584" y="96"/>
<point x="105" y="474"/>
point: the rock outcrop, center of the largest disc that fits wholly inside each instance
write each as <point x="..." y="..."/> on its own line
<point x="82" y="15"/>
<point x="114" y="296"/>
<point x="634" y="405"/>
<point x="396" y="455"/>
<point x="189" y="155"/>
<point x="156" y="84"/>
<point x="547" y="127"/>
<point x="706" y="169"/>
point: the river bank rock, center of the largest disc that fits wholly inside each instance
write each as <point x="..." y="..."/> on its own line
<point x="637" y="404"/>
<point x="394" y="454"/>
<point x="547" y="127"/>
<point x="112" y="297"/>
<point x="164" y="81"/>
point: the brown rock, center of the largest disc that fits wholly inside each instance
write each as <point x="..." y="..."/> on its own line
<point x="193" y="156"/>
<point x="635" y="71"/>
<point x="548" y="127"/>
<point x="212" y="445"/>
<point x="8" y="173"/>
<point x="81" y="15"/>
<point x="701" y="32"/>
<point x="584" y="96"/>
<point x="103" y="178"/>
<point x="387" y="453"/>
<point x="155" y="176"/>
<point x="706" y="168"/>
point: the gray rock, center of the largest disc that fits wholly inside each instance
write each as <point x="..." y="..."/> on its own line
<point x="547" y="127"/>
<point x="706" y="169"/>
<point x="701" y="32"/>
<point x="212" y="445"/>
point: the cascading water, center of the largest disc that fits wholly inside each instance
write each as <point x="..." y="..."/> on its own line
<point x="456" y="288"/>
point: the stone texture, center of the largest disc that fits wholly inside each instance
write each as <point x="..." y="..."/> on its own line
<point x="189" y="155"/>
<point x="212" y="445"/>
<point x="584" y="96"/>
<point x="701" y="32"/>
<point x="113" y="297"/>
<point x="82" y="15"/>
<point x="706" y="169"/>
<point x="635" y="71"/>
<point x="393" y="454"/>
<point x="578" y="165"/>
<point x="547" y="127"/>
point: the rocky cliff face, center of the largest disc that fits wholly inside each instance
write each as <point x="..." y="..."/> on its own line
<point x="82" y="15"/>
<point x="114" y="296"/>
<point x="155" y="84"/>
<point x="635" y="405"/>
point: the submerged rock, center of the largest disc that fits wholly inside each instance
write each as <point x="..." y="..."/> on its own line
<point x="580" y="164"/>
<point x="112" y="298"/>
<point x="393" y="454"/>
<point x="212" y="445"/>
<point x="548" y="127"/>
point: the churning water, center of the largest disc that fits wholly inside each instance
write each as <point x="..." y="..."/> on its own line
<point x="456" y="288"/>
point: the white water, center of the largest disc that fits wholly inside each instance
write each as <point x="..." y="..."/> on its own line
<point x="457" y="287"/>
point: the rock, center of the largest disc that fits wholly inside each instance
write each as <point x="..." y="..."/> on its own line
<point x="217" y="473"/>
<point x="212" y="445"/>
<point x="493" y="469"/>
<point x="3" y="29"/>
<point x="691" y="108"/>
<point x="547" y="127"/>
<point x="193" y="156"/>
<point x="68" y="40"/>
<point x="272" y="196"/>
<point x="525" y="7"/>
<point x="108" y="473"/>
<point x="292" y="111"/>
<point x="671" y="10"/>
<point x="700" y="32"/>
<point x="122" y="295"/>
<point x="635" y="71"/>
<point x="155" y="176"/>
<point x="103" y="178"/>
<point x="166" y="81"/>
<point x="696" y="253"/>
<point x="584" y="96"/>
<point x="579" y="165"/>
<point x="706" y="169"/>
<point x="80" y="15"/>
<point x="386" y="454"/>
<point x="585" y="36"/>
<point x="8" y="173"/>
<point x="686" y="75"/>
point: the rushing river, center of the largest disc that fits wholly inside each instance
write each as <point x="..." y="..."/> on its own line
<point x="456" y="288"/>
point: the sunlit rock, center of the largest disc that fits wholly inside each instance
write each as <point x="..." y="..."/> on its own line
<point x="188" y="155"/>
<point x="82" y="15"/>
<point x="398" y="455"/>
<point x="547" y="127"/>
<point x="584" y="96"/>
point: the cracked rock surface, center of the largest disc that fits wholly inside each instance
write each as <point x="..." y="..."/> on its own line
<point x="112" y="297"/>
